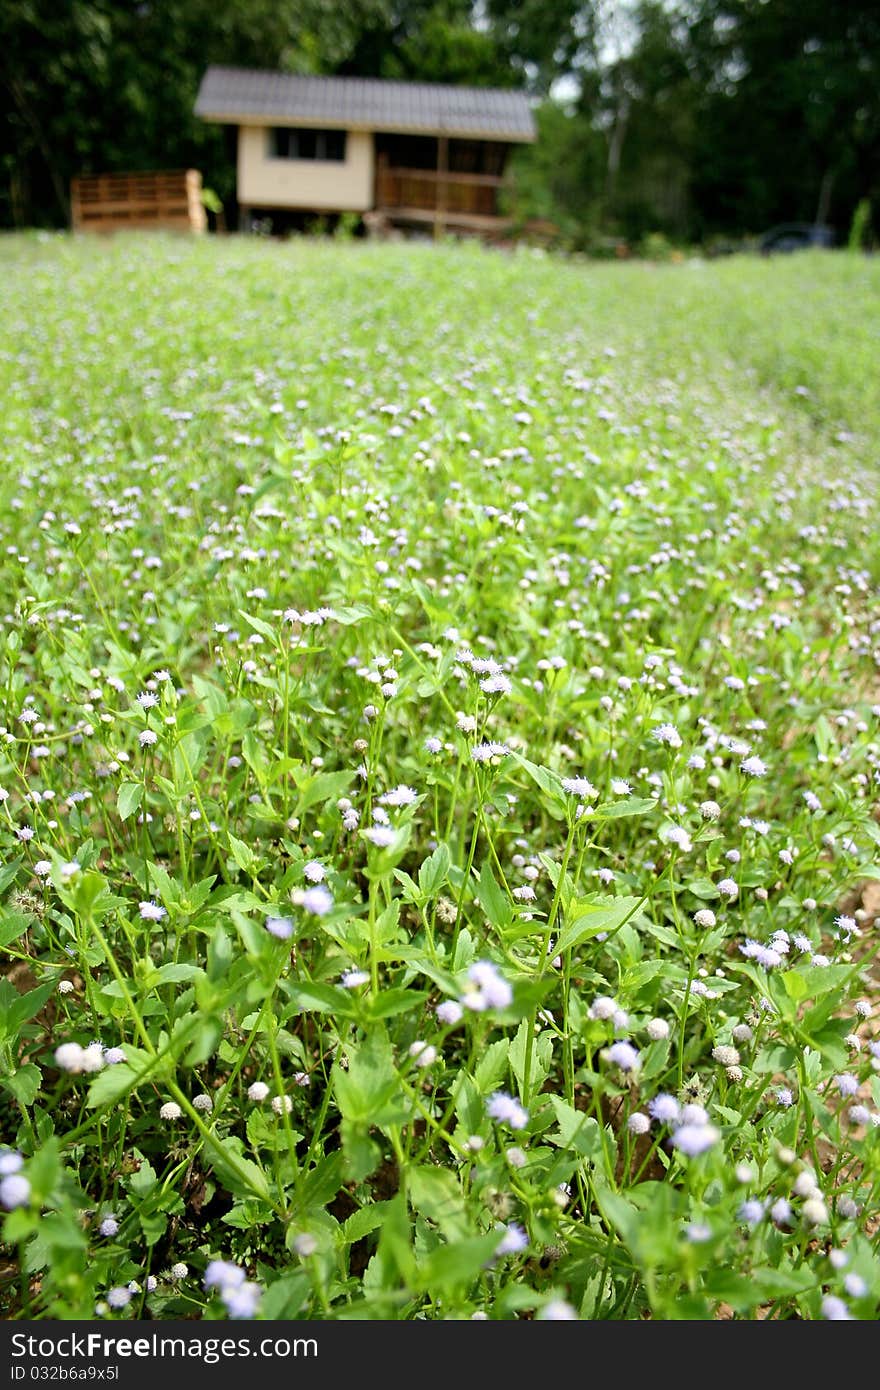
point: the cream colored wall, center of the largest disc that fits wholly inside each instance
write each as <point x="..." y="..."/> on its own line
<point x="331" y="185"/>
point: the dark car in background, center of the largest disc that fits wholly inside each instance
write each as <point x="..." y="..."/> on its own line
<point x="795" y="236"/>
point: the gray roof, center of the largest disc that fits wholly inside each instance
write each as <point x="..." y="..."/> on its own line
<point x="239" y="96"/>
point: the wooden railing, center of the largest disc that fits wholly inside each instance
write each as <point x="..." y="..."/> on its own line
<point x="433" y="191"/>
<point x="108" y="202"/>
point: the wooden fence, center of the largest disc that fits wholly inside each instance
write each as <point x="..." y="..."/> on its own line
<point x="120" y="202"/>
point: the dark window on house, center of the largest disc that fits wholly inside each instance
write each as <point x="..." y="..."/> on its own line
<point x="293" y="142"/>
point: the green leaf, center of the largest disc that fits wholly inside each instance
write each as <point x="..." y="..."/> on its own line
<point x="542" y="1057"/>
<point x="492" y="1066"/>
<point x="362" y="1155"/>
<point x="238" y="1174"/>
<point x="242" y="854"/>
<point x="326" y="999"/>
<point x="577" y="1130"/>
<point x="617" y="810"/>
<point x="20" y="1008"/>
<point x="259" y="626"/>
<point x="795" y="985"/>
<point x="434" y="871"/>
<point x="172" y="974"/>
<point x="12" y="926"/>
<point x="114" y="1082"/>
<point x="548" y="781"/>
<point x="286" y="1298"/>
<point x="587" y="920"/>
<point x="369" y="1091"/>
<point x="8" y="873"/>
<point x="395" y="1254"/>
<point x="436" y="1193"/>
<point x="164" y="885"/>
<point x="326" y="786"/>
<point x="144" y="1179"/>
<point x="129" y="798"/>
<point x="459" y="1263"/>
<point x="352" y="613"/>
<point x="389" y="1002"/>
<point x="322" y="1183"/>
<point x="493" y="901"/>
<point x="23" y="1084"/>
<point x="361" y="1223"/>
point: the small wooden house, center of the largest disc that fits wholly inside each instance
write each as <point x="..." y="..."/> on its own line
<point x="411" y="154"/>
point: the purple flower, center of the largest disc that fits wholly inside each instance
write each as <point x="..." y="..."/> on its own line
<point x="492" y="990"/>
<point x="317" y="900"/>
<point x="15" y="1191"/>
<point x="623" y="1055"/>
<point x="664" y="1108"/>
<point x="506" y="1110"/>
<point x="695" y="1139"/>
<point x="223" y="1274"/>
<point x="513" y="1240"/>
<point x="281" y="927"/>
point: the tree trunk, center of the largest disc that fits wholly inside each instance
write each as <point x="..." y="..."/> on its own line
<point x="824" y="205"/>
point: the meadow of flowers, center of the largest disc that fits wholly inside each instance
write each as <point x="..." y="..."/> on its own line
<point x="439" y="765"/>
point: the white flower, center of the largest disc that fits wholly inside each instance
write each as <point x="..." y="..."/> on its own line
<point x="399" y="796"/>
<point x="151" y="912"/>
<point x="557" y="1310"/>
<point x="423" y="1054"/>
<point x="623" y="1055"/>
<point x="379" y="835"/>
<point x="146" y="739"/>
<point x="657" y="1029"/>
<point x="506" y="1110"/>
<point x="257" y="1091"/>
<point x="579" y="787"/>
<point x="15" y="1191"/>
<point x="318" y="900"/>
<point x="170" y="1111"/>
<point x="488" y="988"/>
<point x="449" y="1012"/>
<point x="69" y="1057"/>
<point x="352" y="979"/>
<point x="678" y="836"/>
<point x="753" y="767"/>
<point x="694" y="1139"/>
<point x="222" y="1274"/>
<point x="704" y="917"/>
<point x="814" y="1211"/>
<point x="280" y="927"/>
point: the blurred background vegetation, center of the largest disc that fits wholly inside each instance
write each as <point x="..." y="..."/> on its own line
<point x="662" y="123"/>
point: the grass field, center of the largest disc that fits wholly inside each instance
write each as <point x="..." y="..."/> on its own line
<point x="440" y="715"/>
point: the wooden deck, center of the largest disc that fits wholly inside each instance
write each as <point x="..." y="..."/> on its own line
<point x="120" y="202"/>
<point x="441" y="198"/>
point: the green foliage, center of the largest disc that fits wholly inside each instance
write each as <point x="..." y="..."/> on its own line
<point x="860" y="237"/>
<point x="512" y="788"/>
